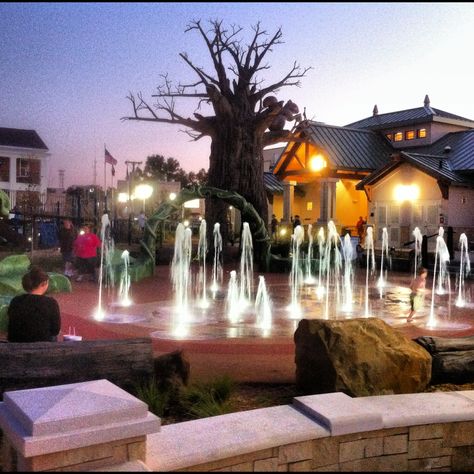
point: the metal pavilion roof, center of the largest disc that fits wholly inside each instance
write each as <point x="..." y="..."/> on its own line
<point x="460" y="151"/>
<point x="410" y="116"/>
<point x="436" y="166"/>
<point x="347" y="149"/>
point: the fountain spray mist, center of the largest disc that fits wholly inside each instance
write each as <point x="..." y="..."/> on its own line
<point x="263" y="307"/>
<point x="217" y="269"/>
<point x="369" y="248"/>
<point x="296" y="275"/>
<point x="464" y="270"/>
<point x="309" y="256"/>
<point x="418" y="241"/>
<point x="105" y="222"/>
<point x="246" y="266"/>
<point x="201" y="256"/>
<point x="382" y="281"/>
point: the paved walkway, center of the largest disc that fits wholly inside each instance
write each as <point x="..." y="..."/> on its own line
<point x="215" y="346"/>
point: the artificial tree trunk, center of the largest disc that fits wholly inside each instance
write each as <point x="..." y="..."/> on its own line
<point x="236" y="164"/>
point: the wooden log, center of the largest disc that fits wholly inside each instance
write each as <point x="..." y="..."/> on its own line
<point x="123" y="362"/>
<point x="455" y="367"/>
<point x="445" y="344"/>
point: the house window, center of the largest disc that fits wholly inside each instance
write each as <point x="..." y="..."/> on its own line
<point x="27" y="171"/>
<point x="409" y="134"/>
<point x="389" y="136"/>
<point x="421" y="133"/>
<point x="309" y="206"/>
<point x="4" y="168"/>
<point x="398" y="137"/>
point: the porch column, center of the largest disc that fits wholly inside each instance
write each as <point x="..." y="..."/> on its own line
<point x="288" y="199"/>
<point x="327" y="206"/>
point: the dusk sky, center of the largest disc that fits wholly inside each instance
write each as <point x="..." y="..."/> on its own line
<point x="66" y="69"/>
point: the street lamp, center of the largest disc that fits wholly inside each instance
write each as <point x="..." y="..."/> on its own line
<point x="143" y="191"/>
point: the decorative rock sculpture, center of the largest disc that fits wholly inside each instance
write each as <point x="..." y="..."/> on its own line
<point x="360" y="357"/>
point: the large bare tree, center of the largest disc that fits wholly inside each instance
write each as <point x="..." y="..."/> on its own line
<point x="246" y="117"/>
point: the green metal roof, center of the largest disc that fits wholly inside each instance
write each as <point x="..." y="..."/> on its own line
<point x="408" y="117"/>
<point x="348" y="148"/>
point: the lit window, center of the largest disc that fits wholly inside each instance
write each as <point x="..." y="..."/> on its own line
<point x="309" y="206"/>
<point x="409" y="134"/>
<point x="389" y="137"/>
<point x="408" y="192"/>
<point x="421" y="133"/>
<point x="398" y="137"/>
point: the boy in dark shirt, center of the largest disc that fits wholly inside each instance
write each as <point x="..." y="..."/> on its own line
<point x="33" y="316"/>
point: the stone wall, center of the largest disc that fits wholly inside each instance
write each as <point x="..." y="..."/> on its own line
<point x="329" y="432"/>
<point x="325" y="432"/>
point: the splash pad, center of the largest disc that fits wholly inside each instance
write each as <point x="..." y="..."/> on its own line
<point x="242" y="303"/>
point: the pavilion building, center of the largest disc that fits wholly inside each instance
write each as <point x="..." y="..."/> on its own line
<point x="399" y="170"/>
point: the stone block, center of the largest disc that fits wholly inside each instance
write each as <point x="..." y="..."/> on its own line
<point x="216" y="438"/>
<point x="295" y="452"/>
<point x="427" y="448"/>
<point x="420" y="408"/>
<point x="427" y="431"/>
<point x="396" y="444"/>
<point x="392" y="463"/>
<point x="429" y="464"/>
<point x="463" y="459"/>
<point x="302" y="466"/>
<point x="269" y="465"/>
<point x="459" y="434"/>
<point x="340" y="413"/>
<point x="325" y="452"/>
<point x="66" y="417"/>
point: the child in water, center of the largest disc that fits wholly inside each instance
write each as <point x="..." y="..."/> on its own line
<point x="417" y="287"/>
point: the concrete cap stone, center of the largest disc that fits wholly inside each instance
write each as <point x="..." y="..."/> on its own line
<point x="339" y="413"/>
<point x="53" y="419"/>
<point x="49" y="410"/>
<point x="421" y="408"/>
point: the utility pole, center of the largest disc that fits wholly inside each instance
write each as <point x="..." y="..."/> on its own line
<point x="130" y="175"/>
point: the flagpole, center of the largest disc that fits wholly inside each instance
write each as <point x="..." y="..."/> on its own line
<point x="105" y="180"/>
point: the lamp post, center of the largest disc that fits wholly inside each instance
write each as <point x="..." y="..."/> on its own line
<point x="130" y="176"/>
<point x="143" y="191"/>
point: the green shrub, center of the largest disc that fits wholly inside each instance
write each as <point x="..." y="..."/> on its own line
<point x="201" y="400"/>
<point x="155" y="396"/>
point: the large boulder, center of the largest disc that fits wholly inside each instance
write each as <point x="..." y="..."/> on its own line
<point x="360" y="357"/>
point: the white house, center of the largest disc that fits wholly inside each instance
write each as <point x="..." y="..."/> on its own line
<point x="23" y="167"/>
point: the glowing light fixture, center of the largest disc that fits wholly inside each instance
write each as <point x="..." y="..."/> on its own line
<point x="407" y="192"/>
<point x="317" y="163"/>
<point x="143" y="191"/>
<point x="172" y="196"/>
<point x="122" y="197"/>
<point x="282" y="231"/>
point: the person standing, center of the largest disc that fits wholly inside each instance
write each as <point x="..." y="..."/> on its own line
<point x="274" y="224"/>
<point x="33" y="316"/>
<point x="67" y="236"/>
<point x="296" y="222"/>
<point x="360" y="228"/>
<point x="417" y="287"/>
<point x="142" y="221"/>
<point x="85" y="250"/>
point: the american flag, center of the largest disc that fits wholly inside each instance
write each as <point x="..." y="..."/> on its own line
<point x="109" y="158"/>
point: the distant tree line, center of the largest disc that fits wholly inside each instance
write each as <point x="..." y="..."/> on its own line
<point x="168" y="169"/>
